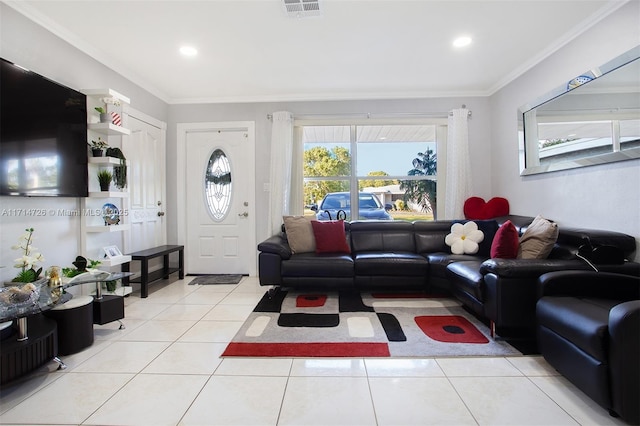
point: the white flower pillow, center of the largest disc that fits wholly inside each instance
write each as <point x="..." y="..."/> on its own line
<point x="464" y="238"/>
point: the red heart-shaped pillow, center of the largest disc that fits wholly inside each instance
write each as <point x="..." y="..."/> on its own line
<point x="475" y="208"/>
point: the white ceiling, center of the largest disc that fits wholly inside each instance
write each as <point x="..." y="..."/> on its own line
<point x="250" y="51"/>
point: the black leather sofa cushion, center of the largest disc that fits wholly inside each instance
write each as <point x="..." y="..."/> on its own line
<point x="276" y="244"/>
<point x="582" y="321"/>
<point x="438" y="262"/>
<point x="575" y="237"/>
<point x="318" y="265"/>
<point x="391" y="264"/>
<point x="382" y="236"/>
<point x="467" y="277"/>
<point x="429" y="236"/>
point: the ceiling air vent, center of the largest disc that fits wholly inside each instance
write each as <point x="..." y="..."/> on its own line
<point x="302" y="8"/>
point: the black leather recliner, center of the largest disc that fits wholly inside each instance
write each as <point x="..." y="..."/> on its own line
<point x="588" y="327"/>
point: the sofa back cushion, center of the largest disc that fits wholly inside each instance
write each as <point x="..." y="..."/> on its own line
<point x="429" y="236"/>
<point x="382" y="236"/>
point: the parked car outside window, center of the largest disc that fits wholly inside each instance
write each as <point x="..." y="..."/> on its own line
<point x="335" y="202"/>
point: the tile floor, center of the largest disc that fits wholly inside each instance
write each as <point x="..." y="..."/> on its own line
<point x="165" y="369"/>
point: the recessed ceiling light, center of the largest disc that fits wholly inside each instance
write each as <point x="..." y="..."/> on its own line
<point x="188" y="51"/>
<point x="462" y="41"/>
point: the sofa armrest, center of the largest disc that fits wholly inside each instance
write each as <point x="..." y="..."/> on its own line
<point x="527" y="268"/>
<point x="589" y="284"/>
<point x="624" y="344"/>
<point x="276" y="244"/>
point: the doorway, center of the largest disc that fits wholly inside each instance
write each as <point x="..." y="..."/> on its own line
<point x="216" y="197"/>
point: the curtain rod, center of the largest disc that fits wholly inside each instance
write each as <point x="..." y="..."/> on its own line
<point x="381" y="115"/>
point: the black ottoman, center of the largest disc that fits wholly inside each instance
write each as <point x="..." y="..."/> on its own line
<point x="75" y="324"/>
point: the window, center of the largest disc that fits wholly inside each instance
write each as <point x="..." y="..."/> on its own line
<point x="388" y="170"/>
<point x="218" y="185"/>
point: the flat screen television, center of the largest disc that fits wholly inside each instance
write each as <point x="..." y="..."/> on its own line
<point x="43" y="136"/>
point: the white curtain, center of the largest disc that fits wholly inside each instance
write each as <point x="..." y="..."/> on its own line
<point x="458" y="176"/>
<point x="281" y="169"/>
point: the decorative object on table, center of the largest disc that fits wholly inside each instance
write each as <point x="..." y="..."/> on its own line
<point x="110" y="214"/>
<point x="27" y="263"/>
<point x="54" y="277"/>
<point x="104" y="178"/>
<point x="97" y="147"/>
<point x="81" y="263"/>
<point x="26" y="294"/>
<point x="119" y="172"/>
<point x="112" y="251"/>
<point x="363" y="324"/>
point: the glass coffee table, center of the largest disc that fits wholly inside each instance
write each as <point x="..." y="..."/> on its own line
<point x="36" y="342"/>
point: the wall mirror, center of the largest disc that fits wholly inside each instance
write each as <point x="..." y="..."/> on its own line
<point x="593" y="119"/>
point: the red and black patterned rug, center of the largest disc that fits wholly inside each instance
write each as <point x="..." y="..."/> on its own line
<point x="353" y="324"/>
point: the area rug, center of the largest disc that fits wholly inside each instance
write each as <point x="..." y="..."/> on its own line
<point x="354" y="324"/>
<point x="216" y="279"/>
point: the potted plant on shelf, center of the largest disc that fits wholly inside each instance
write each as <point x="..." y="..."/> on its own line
<point x="104" y="178"/>
<point x="98" y="146"/>
<point x="119" y="172"/>
<point x="104" y="116"/>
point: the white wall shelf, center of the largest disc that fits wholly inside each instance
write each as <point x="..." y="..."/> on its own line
<point x="109" y="194"/>
<point x="108" y="129"/>
<point x="106" y="161"/>
<point x="95" y="235"/>
<point x="115" y="261"/>
<point x="107" y="228"/>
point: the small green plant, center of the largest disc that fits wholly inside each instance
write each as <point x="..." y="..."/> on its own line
<point x="99" y="144"/>
<point x="101" y="110"/>
<point x="81" y="264"/>
<point x="104" y="178"/>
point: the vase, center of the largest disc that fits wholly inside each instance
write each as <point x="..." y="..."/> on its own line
<point x="105" y="117"/>
<point x="104" y="186"/>
<point x="97" y="152"/>
<point x="54" y="275"/>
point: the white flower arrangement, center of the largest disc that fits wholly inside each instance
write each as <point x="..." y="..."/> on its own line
<point x="111" y="101"/>
<point x="29" y="260"/>
<point x="464" y="238"/>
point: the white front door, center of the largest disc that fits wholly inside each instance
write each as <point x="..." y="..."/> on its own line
<point x="145" y="152"/>
<point x="220" y="192"/>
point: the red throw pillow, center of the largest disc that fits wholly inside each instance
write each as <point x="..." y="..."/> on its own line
<point x="330" y="236"/>
<point x="505" y="243"/>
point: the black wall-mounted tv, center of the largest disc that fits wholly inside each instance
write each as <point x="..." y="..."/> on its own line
<point x="43" y="136"/>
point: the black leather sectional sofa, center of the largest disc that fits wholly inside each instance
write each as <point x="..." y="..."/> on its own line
<point x="397" y="256"/>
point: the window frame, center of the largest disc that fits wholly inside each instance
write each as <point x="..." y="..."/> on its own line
<point x="440" y="124"/>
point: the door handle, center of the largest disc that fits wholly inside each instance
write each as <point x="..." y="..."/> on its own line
<point x="245" y="214"/>
<point x="160" y="213"/>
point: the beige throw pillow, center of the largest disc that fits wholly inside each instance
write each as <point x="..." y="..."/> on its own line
<point x="538" y="240"/>
<point x="299" y="234"/>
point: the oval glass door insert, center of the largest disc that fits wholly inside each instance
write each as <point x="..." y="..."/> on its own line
<point x="217" y="185"/>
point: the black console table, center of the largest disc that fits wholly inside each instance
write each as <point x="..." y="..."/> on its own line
<point x="144" y="256"/>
